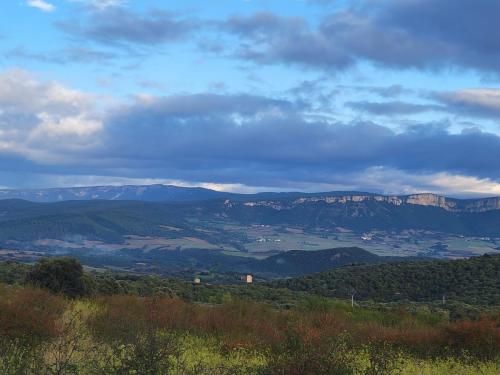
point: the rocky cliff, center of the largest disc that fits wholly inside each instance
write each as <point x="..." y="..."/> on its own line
<point x="425" y="199"/>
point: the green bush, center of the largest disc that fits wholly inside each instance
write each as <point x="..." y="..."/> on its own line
<point x="61" y="276"/>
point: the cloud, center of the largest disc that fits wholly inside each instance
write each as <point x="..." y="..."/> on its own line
<point x="43" y="120"/>
<point x="393" y="181"/>
<point x="268" y="38"/>
<point x="400" y="34"/>
<point x="238" y="139"/>
<point x="101" y="4"/>
<point x="64" y="56"/>
<point x="265" y="145"/>
<point x="386" y="92"/>
<point x="463" y="185"/>
<point x="481" y="102"/>
<point x="41" y="4"/>
<point x="392" y="108"/>
<point x="422" y="34"/>
<point x="121" y="27"/>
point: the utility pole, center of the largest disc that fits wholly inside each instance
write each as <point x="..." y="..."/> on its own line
<point x="353" y="293"/>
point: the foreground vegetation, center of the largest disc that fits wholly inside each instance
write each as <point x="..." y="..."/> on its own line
<point x="41" y="333"/>
<point x="57" y="319"/>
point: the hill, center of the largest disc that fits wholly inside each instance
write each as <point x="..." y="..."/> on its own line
<point x="290" y="263"/>
<point x="473" y="281"/>
<point x="297" y="262"/>
<point x="95" y="220"/>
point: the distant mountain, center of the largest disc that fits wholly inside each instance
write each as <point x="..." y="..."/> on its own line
<point x="278" y="201"/>
<point x="152" y="193"/>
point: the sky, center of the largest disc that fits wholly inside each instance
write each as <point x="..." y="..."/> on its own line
<point x="386" y="96"/>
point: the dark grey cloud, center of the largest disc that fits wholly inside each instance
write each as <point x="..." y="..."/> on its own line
<point x="47" y="128"/>
<point x="424" y="34"/>
<point x="261" y="143"/>
<point x="119" y="26"/>
<point x="267" y="38"/>
<point x="209" y="105"/>
<point x="392" y="108"/>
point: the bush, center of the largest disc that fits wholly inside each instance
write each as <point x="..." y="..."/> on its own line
<point x="29" y="318"/>
<point x="61" y="276"/>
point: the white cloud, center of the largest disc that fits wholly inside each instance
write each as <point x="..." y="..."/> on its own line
<point x="489" y="98"/>
<point x="393" y="181"/>
<point x="464" y="185"/>
<point x="475" y="102"/>
<point x="42" y="5"/>
<point x="101" y="4"/>
<point x="40" y="120"/>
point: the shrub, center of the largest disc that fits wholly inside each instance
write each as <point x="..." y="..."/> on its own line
<point x="29" y="318"/>
<point x="61" y="275"/>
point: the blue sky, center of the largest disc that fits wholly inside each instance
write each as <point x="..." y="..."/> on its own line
<point x="375" y="95"/>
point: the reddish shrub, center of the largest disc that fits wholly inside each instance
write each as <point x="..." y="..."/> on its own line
<point x="480" y="338"/>
<point x="30" y="312"/>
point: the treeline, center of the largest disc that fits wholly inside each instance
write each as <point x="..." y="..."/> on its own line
<point x="469" y="287"/>
<point x="474" y="281"/>
<point x="66" y="276"/>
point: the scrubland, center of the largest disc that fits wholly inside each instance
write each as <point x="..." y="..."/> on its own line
<point x="43" y="333"/>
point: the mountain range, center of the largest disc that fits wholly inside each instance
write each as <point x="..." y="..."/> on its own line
<point x="178" y="227"/>
<point x="171" y="193"/>
<point x="208" y="220"/>
<point x="126" y="192"/>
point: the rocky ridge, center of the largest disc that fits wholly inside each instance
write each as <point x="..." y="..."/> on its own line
<point x="424" y="199"/>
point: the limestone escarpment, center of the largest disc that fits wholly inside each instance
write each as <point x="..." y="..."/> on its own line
<point x="424" y="199"/>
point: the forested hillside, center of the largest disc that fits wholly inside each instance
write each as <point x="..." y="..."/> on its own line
<point x="473" y="281"/>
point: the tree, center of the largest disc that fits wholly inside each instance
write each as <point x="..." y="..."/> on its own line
<point x="61" y="275"/>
